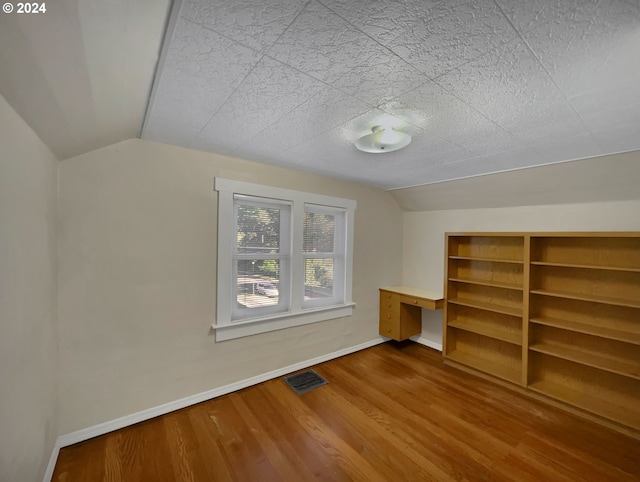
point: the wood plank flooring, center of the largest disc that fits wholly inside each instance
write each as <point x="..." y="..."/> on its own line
<point x="393" y="412"/>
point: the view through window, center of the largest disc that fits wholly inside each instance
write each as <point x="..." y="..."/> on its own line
<point x="284" y="258"/>
<point x="262" y="255"/>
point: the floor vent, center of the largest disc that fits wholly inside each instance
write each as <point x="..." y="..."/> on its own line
<point x="305" y="381"/>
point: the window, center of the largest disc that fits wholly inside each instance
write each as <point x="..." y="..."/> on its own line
<point x="284" y="258"/>
<point x="322" y="250"/>
<point x="262" y="250"/>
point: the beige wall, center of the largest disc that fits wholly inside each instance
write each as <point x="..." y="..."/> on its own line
<point x="28" y="342"/>
<point x="423" y="246"/>
<point x="138" y="270"/>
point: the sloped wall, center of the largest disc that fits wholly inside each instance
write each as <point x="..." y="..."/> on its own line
<point x="423" y="247"/>
<point x="28" y="342"/>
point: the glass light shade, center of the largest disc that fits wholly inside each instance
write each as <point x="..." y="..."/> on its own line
<point x="383" y="140"/>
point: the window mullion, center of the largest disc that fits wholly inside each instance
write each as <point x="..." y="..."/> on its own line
<point x="226" y="246"/>
<point x="297" y="258"/>
<point x="320" y="255"/>
<point x="261" y="256"/>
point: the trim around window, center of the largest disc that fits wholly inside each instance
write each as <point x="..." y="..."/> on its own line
<point x="333" y="263"/>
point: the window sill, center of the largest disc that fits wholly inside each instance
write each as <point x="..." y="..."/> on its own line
<point x="230" y="331"/>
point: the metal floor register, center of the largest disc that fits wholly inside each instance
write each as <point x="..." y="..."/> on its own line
<point x="305" y="381"/>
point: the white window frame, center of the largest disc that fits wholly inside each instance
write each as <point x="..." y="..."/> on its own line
<point x="300" y="313"/>
<point x="340" y="218"/>
<point x="283" y="256"/>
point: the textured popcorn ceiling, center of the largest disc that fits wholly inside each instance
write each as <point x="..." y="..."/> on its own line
<point x="482" y="86"/>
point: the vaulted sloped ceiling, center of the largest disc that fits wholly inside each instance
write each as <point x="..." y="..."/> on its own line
<point x="80" y="73"/>
<point x="483" y="86"/>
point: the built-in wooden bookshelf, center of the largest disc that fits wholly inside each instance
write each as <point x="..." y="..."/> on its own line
<point x="556" y="313"/>
<point x="484" y="310"/>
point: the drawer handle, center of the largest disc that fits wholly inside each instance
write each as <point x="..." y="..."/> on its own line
<point x="415" y="302"/>
<point x="389" y="305"/>
<point x="388" y="317"/>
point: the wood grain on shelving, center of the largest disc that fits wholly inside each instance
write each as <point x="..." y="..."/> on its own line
<point x="491" y="260"/>
<point x="606" y="394"/>
<point x="507" y="310"/>
<point x="593" y="249"/>
<point x="628" y="368"/>
<point x="498" y="246"/>
<point x="487" y="296"/>
<point x="587" y="266"/>
<point x="481" y="282"/>
<point x="392" y="412"/>
<point x="588" y="283"/>
<point x="589" y="329"/>
<point x="610" y="300"/>
<point x="489" y="272"/>
<point x="506" y="372"/>
<point x="622" y="414"/>
<point x="487" y="354"/>
<point x="579" y="294"/>
<point x="492" y="331"/>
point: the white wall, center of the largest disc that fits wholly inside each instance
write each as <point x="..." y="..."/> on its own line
<point x="137" y="279"/>
<point x="423" y="245"/>
<point x="28" y="342"/>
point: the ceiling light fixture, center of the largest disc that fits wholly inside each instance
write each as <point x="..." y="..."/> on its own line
<point x="383" y="139"/>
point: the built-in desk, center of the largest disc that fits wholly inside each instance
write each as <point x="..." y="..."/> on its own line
<point x="401" y="310"/>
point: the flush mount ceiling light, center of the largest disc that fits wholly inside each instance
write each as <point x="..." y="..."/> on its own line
<point x="383" y="139"/>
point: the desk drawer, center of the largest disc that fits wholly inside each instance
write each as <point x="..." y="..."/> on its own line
<point x="388" y="297"/>
<point x="389" y="301"/>
<point x="421" y="302"/>
<point x="390" y="324"/>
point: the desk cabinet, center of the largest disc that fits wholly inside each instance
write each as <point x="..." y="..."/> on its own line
<point x="401" y="310"/>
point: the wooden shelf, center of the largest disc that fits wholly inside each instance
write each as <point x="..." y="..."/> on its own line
<point x="505" y="372"/>
<point x="506" y="310"/>
<point x="481" y="282"/>
<point x="624" y="415"/>
<point x="560" y="311"/>
<point x="492" y="260"/>
<point x="587" y="266"/>
<point x="627" y="368"/>
<point x="589" y="297"/>
<point x="603" y="332"/>
<point x="608" y="251"/>
<point x="499" y="333"/>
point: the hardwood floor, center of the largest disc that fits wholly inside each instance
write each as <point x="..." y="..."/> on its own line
<point x="393" y="412"/>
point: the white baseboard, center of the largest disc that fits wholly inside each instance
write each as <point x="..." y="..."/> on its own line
<point x="426" y="342"/>
<point x="48" y="474"/>
<point x="118" y="423"/>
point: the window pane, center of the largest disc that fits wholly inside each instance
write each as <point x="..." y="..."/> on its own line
<point x="318" y="278"/>
<point x="258" y="283"/>
<point x="258" y="229"/>
<point x="319" y="232"/>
